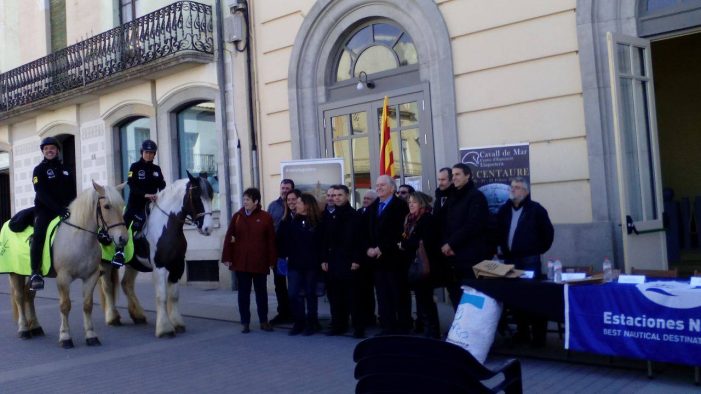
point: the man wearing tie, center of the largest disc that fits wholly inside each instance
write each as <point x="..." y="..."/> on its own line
<point x="385" y="226"/>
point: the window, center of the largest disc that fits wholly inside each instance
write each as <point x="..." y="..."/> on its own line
<point x="4" y="161"/>
<point x="374" y="48"/>
<point x="57" y="21"/>
<point x="131" y="134"/>
<point x="127" y="10"/>
<point x="198" y="144"/>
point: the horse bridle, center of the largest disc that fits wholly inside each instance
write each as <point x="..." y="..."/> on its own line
<point x="102" y="225"/>
<point x="191" y="208"/>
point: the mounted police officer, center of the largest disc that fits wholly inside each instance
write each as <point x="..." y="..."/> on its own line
<point x="145" y="179"/>
<point x="55" y="189"/>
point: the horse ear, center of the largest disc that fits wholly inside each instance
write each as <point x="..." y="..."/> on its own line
<point x="121" y="186"/>
<point x="192" y="178"/>
<point x="99" y="188"/>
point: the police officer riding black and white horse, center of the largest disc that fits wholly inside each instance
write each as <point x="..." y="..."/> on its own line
<point x="55" y="189"/>
<point x="145" y="179"/>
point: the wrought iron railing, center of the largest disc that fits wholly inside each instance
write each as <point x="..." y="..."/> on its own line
<point x="181" y="26"/>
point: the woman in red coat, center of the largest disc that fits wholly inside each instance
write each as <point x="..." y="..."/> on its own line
<point x="249" y="251"/>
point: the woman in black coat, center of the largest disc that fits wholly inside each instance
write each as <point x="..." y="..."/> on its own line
<point x="419" y="228"/>
<point x="302" y="246"/>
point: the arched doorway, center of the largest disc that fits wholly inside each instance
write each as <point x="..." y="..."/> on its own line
<point x="67" y="154"/>
<point x="130" y="134"/>
<point x="376" y="59"/>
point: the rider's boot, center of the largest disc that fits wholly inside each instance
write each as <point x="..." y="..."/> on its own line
<point x="36" y="282"/>
<point x="118" y="259"/>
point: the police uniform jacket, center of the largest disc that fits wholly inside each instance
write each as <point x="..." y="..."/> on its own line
<point x="144" y="178"/>
<point x="53" y="185"/>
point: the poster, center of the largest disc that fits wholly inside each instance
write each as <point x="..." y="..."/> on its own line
<point x="313" y="176"/>
<point x="493" y="167"/>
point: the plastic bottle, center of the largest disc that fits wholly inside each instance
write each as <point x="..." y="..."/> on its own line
<point x="607" y="267"/>
<point x="550" y="268"/>
<point x="557" y="271"/>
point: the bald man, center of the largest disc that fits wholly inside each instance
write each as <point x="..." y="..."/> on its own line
<point x="385" y="220"/>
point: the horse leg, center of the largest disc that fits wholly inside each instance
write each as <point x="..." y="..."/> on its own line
<point x="173" y="310"/>
<point x="88" y="290"/>
<point x="163" y="325"/>
<point x="136" y="312"/>
<point x="32" y="321"/>
<point x="63" y="283"/>
<point x="109" y="280"/>
<point x="18" y="299"/>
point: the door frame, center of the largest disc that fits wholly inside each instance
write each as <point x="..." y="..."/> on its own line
<point x="371" y="103"/>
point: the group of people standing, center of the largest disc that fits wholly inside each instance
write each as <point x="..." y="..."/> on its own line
<point x="365" y="254"/>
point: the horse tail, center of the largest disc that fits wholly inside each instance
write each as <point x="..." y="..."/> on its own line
<point x="113" y="279"/>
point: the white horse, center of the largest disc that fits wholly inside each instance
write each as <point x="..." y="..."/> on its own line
<point x="164" y="254"/>
<point x="76" y="254"/>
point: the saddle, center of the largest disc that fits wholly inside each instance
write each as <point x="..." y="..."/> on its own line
<point x="22" y="220"/>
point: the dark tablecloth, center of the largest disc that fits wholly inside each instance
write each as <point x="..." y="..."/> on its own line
<point x="535" y="297"/>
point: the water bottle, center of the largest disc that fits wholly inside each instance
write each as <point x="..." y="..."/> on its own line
<point x="607" y="266"/>
<point x="550" y="268"/>
<point x="557" y="271"/>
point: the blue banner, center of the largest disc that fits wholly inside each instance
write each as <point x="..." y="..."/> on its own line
<point x="656" y="321"/>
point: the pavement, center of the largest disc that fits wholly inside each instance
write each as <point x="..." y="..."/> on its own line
<point x="214" y="356"/>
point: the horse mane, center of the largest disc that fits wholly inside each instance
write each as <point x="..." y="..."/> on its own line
<point x="170" y="199"/>
<point x="84" y="206"/>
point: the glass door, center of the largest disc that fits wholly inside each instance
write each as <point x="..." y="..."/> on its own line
<point x="353" y="134"/>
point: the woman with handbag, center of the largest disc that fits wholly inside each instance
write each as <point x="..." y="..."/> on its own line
<point x="301" y="245"/>
<point x="420" y="245"/>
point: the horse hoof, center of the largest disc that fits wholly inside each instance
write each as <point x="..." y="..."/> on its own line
<point x="92" y="341"/>
<point x="169" y="334"/>
<point x="115" y="322"/>
<point x="179" y="329"/>
<point x="25" y="334"/>
<point x="67" y="344"/>
<point x="37" y="332"/>
<point x="139" y="321"/>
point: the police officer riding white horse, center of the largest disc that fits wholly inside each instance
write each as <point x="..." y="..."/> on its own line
<point x="55" y="189"/>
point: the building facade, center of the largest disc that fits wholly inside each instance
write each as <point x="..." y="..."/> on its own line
<point x="102" y="76"/>
<point x="464" y="73"/>
<point x="251" y="84"/>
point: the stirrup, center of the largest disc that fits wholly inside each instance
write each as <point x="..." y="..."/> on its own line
<point x="118" y="259"/>
<point x="36" y="282"/>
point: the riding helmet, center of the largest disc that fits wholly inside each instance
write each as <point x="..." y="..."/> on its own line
<point x="148" y="146"/>
<point x="49" y="141"/>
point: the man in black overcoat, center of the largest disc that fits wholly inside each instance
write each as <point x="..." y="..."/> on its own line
<point x="385" y="220"/>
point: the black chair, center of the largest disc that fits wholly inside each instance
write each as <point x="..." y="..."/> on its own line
<point x="410" y="384"/>
<point x="407" y="360"/>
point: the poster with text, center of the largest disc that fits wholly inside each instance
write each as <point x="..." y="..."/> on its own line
<point x="313" y="176"/>
<point x="493" y="167"/>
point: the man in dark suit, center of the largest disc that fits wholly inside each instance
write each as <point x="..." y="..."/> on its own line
<point x="385" y="226"/>
<point x="464" y="229"/>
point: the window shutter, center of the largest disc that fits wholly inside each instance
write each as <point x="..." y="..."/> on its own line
<point x="57" y="16"/>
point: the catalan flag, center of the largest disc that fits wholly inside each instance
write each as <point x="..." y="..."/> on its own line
<point x="386" y="155"/>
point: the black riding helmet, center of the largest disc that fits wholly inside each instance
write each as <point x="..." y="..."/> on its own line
<point x="148" y="146"/>
<point x="49" y="141"/>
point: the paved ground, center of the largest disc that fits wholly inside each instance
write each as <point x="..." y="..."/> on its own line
<point x="213" y="356"/>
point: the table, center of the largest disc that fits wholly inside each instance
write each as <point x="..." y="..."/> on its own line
<point x="536" y="297"/>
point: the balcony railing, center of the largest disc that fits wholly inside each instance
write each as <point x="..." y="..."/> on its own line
<point x="178" y="27"/>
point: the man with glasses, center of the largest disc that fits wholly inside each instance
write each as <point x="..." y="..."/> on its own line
<point x="404" y="190"/>
<point x="524" y="234"/>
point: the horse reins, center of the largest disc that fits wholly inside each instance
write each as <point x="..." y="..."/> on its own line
<point x="99" y="219"/>
<point x="191" y="207"/>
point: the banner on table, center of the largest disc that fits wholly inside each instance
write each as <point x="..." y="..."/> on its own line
<point x="493" y="167"/>
<point x="657" y="321"/>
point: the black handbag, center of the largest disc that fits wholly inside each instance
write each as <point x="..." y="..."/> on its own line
<point x="420" y="267"/>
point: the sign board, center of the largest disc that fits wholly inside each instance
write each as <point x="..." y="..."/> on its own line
<point x="657" y="321"/>
<point x="493" y="167"/>
<point x="313" y="176"/>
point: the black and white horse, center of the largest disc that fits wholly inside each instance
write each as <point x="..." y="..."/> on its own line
<point x="184" y="201"/>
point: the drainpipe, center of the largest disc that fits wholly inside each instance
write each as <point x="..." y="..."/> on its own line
<point x="221" y="81"/>
<point x="242" y="7"/>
